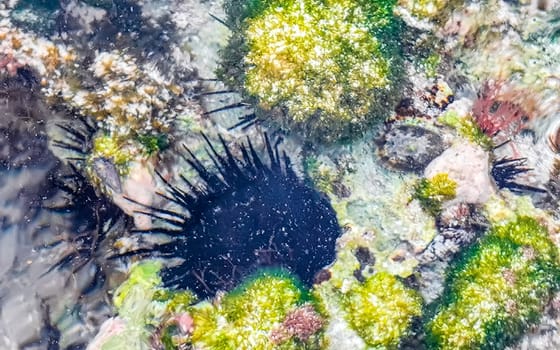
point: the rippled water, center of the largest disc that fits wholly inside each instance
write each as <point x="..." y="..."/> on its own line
<point x="77" y="207"/>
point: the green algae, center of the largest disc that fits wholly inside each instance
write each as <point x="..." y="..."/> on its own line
<point x="152" y="144"/>
<point x="434" y="191"/>
<point x="380" y="310"/>
<point x="133" y="300"/>
<point x="326" y="64"/>
<point x="245" y="317"/>
<point x="467" y="128"/>
<point x="497" y="288"/>
<point x="324" y="46"/>
<point x="111" y="147"/>
<point x="431" y="64"/>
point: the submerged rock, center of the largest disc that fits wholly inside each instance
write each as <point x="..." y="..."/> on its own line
<point x="410" y="147"/>
<point x="467" y="164"/>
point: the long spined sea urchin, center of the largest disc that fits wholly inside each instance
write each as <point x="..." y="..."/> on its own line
<point x="249" y="213"/>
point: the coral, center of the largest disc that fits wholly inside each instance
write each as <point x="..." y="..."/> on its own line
<point x="124" y="97"/>
<point x="21" y="49"/>
<point x="248" y="316"/>
<point x="434" y="191"/>
<point x="247" y="213"/>
<point x="467" y="127"/>
<point x="132" y="103"/>
<point x="324" y="63"/>
<point x="497" y="288"/>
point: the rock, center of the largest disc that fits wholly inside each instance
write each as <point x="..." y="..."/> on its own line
<point x="468" y="165"/>
<point x="410" y="147"/>
<point x="447" y="243"/>
<point x="138" y="190"/>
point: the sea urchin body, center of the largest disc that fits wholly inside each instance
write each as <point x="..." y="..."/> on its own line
<point x="248" y="214"/>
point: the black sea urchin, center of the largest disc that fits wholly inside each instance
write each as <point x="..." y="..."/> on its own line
<point x="248" y="214"/>
<point x="505" y="170"/>
<point x="91" y="220"/>
<point x="91" y="217"/>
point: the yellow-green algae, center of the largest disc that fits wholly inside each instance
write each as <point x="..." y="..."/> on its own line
<point x="497" y="288"/>
<point x="425" y="8"/>
<point x="434" y="191"/>
<point x="467" y="128"/>
<point x="133" y="300"/>
<point x="245" y="317"/>
<point x="141" y="304"/>
<point x="324" y="62"/>
<point x="315" y="57"/>
<point x="431" y="64"/>
<point x="113" y="148"/>
<point x="380" y="310"/>
<point x="508" y="206"/>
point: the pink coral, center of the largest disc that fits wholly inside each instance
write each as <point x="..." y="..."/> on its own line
<point x="300" y="323"/>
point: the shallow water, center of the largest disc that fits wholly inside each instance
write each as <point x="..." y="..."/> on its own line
<point x="116" y="134"/>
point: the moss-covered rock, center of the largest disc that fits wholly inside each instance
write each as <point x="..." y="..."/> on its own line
<point x="433" y="191"/>
<point x="497" y="288"/>
<point x="246" y="317"/>
<point x="377" y="313"/>
<point x="381" y="310"/>
<point x="323" y="65"/>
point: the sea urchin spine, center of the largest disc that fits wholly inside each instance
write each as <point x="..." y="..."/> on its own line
<point x="248" y="214"/>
